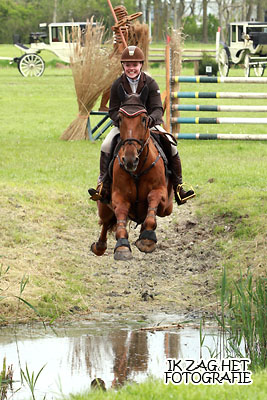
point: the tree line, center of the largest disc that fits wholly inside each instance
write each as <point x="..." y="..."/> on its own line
<point x="199" y="18"/>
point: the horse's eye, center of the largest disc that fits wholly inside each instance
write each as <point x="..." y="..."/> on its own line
<point x="119" y="120"/>
<point x="144" y="120"/>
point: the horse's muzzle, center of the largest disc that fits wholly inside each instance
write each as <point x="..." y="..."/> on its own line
<point x="130" y="163"/>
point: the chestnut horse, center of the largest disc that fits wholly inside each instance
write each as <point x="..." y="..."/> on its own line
<point x="141" y="189"/>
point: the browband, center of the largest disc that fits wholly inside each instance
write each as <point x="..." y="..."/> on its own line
<point x="132" y="114"/>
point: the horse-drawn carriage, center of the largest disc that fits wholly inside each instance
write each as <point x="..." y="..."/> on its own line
<point x="59" y="42"/>
<point x="247" y="45"/>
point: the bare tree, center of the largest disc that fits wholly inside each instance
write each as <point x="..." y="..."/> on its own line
<point x="261" y="9"/>
<point x="231" y="9"/>
<point x="180" y="13"/>
<point x="192" y="8"/>
<point x="205" y="21"/>
<point x="249" y="9"/>
<point x="55" y="11"/>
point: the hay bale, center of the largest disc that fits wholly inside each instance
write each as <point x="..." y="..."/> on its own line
<point x="94" y="68"/>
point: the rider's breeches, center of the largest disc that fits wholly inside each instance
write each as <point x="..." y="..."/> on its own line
<point x="106" y="145"/>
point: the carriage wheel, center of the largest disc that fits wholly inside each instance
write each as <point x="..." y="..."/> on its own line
<point x="31" y="65"/>
<point x="247" y="66"/>
<point x="259" y="69"/>
<point x="223" y="62"/>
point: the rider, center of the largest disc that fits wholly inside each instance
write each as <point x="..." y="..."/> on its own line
<point x="133" y="80"/>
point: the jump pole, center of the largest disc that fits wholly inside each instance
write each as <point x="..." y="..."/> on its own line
<point x="199" y="120"/>
<point x="217" y="79"/>
<point x="218" y="136"/>
<point x="215" y="108"/>
<point x="218" y="108"/>
<point x="218" y="95"/>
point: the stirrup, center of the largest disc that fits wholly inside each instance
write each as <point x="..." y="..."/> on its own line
<point x="96" y="193"/>
<point x="190" y="193"/>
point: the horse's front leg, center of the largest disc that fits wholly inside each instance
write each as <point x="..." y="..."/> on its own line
<point x="122" y="250"/>
<point x="148" y="239"/>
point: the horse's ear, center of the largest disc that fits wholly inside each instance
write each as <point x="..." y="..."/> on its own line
<point x="122" y="94"/>
<point x="144" y="94"/>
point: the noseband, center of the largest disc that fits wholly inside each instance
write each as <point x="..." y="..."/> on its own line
<point x="141" y="143"/>
<point x="130" y="113"/>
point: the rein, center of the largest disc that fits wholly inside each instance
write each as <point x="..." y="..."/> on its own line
<point x="136" y="177"/>
<point x="132" y="107"/>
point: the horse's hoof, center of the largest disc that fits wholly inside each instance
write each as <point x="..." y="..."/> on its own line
<point x="146" y="245"/>
<point x="99" y="248"/>
<point x="123" y="254"/>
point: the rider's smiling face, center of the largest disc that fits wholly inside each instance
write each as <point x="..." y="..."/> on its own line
<point x="132" y="68"/>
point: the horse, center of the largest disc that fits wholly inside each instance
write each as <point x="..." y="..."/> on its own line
<point x="141" y="188"/>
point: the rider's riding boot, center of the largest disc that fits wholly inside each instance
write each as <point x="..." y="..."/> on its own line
<point x="181" y="196"/>
<point x="102" y="191"/>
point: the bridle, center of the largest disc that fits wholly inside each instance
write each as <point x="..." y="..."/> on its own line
<point x="144" y="144"/>
<point x="132" y="141"/>
<point x="136" y="142"/>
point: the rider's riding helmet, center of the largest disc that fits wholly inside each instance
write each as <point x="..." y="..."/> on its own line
<point x="132" y="53"/>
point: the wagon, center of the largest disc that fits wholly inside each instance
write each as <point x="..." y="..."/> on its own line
<point x="246" y="45"/>
<point x="59" y="43"/>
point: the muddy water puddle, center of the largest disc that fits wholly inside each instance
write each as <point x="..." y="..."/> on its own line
<point x="116" y="350"/>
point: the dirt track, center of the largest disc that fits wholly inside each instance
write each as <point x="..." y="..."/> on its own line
<point x="64" y="275"/>
<point x="177" y="277"/>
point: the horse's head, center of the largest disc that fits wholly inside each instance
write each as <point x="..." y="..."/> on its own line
<point x="134" y="132"/>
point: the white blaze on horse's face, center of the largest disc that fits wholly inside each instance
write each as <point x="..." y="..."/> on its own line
<point x="133" y="135"/>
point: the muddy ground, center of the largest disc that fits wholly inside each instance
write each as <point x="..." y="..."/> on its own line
<point x="67" y="280"/>
<point x="179" y="276"/>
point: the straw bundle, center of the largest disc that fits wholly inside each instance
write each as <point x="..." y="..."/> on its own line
<point x="176" y="46"/>
<point x="94" y="68"/>
<point x="139" y="36"/>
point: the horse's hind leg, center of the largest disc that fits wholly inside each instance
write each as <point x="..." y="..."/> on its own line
<point x="100" y="246"/>
<point x="107" y="219"/>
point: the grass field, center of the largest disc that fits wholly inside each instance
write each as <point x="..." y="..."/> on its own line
<point x="44" y="184"/>
<point x="46" y="217"/>
<point x="151" y="390"/>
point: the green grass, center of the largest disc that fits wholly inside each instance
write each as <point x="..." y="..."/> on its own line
<point x="155" y="390"/>
<point x="44" y="182"/>
<point x="243" y="319"/>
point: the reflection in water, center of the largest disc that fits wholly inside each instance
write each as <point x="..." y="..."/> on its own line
<point x="76" y="357"/>
<point x="98" y="384"/>
<point x="128" y="352"/>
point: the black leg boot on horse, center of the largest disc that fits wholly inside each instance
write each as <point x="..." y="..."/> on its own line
<point x="181" y="195"/>
<point x="102" y="191"/>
